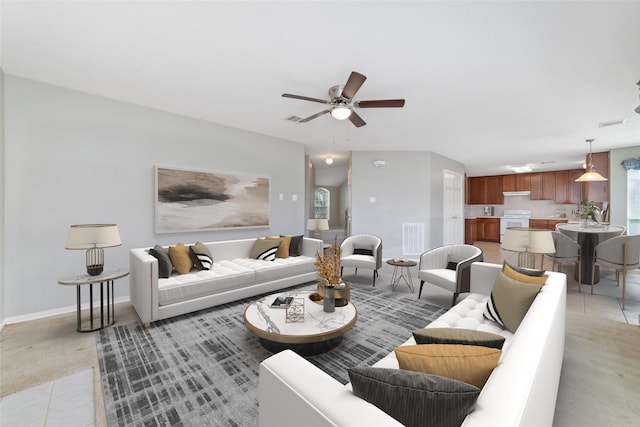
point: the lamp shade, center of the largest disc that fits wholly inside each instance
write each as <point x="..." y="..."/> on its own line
<point x="516" y="239"/>
<point x="341" y="112"/>
<point x="317" y="224"/>
<point x="541" y="242"/>
<point x="87" y="236"/>
<point x="591" y="176"/>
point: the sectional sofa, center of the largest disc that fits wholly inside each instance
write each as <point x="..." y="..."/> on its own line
<point x="520" y="391"/>
<point x="232" y="276"/>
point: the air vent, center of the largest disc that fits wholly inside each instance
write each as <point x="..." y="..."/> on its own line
<point x="293" y="119"/>
<point x="611" y="123"/>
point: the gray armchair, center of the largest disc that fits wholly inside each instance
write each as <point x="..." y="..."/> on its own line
<point x="449" y="267"/>
<point x="362" y="251"/>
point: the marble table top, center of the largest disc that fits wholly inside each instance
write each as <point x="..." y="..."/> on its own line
<point x="269" y="323"/>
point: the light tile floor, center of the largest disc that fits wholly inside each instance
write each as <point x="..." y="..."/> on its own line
<point x="67" y="401"/>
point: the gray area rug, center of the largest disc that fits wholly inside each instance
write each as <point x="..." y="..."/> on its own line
<point x="202" y="368"/>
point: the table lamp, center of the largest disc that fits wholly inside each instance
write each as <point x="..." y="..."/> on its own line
<point x="316" y="225"/>
<point x="93" y="237"/>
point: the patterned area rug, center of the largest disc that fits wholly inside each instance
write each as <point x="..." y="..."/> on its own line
<point x="202" y="368"/>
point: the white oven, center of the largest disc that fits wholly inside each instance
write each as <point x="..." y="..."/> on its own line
<point x="513" y="218"/>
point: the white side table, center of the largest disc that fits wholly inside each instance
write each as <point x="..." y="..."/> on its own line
<point x="106" y="280"/>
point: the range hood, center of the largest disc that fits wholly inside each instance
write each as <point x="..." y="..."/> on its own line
<point x="516" y="193"/>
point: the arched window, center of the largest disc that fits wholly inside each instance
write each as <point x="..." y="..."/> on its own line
<point x="321" y="203"/>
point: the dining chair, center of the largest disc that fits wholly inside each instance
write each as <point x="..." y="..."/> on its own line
<point x="567" y="251"/>
<point x="621" y="253"/>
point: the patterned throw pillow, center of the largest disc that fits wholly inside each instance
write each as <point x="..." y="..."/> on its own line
<point x="265" y="249"/>
<point x="467" y="363"/>
<point x="180" y="258"/>
<point x="415" y="398"/>
<point x="509" y="302"/>
<point x="201" y="256"/>
<point x="458" y="336"/>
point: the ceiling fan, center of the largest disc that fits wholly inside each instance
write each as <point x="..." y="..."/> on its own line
<point x="341" y="102"/>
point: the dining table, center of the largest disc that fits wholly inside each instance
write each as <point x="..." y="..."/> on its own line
<point x="588" y="235"/>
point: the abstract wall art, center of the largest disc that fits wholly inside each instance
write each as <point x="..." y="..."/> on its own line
<point x="191" y="200"/>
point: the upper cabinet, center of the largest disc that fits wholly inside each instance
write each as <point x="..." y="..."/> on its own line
<point x="598" y="191"/>
<point x="568" y="191"/>
<point x="543" y="186"/>
<point x="485" y="190"/>
<point x="516" y="182"/>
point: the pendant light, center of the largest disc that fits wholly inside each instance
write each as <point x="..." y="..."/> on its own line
<point x="590" y="174"/>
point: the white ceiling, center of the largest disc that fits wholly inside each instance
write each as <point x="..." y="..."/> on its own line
<point x="488" y="83"/>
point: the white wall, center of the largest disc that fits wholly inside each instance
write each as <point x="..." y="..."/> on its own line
<point x="3" y="168"/>
<point x="409" y="188"/>
<point x="618" y="183"/>
<point x="76" y="158"/>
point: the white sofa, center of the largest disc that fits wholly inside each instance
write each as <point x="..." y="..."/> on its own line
<point x="521" y="390"/>
<point x="233" y="276"/>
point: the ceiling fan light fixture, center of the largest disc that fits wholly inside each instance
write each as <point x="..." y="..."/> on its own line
<point x="341" y="112"/>
<point x="590" y="174"/>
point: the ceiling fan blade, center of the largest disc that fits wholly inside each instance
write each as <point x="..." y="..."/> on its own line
<point x="353" y="85"/>
<point x="321" y="113"/>
<point x="380" y="103"/>
<point x="356" y="119"/>
<point x="306" y="98"/>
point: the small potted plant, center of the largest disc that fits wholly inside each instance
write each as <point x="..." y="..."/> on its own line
<point x="587" y="210"/>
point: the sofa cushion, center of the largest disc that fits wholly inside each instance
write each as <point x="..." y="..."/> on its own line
<point x="164" y="262"/>
<point x="201" y="256"/>
<point x="280" y="268"/>
<point x="295" y="247"/>
<point x="526" y="275"/>
<point x="283" y="249"/>
<point x="265" y="249"/>
<point x="468" y="363"/>
<point x="509" y="301"/>
<point x="180" y="258"/>
<point x="458" y="336"/>
<point x="415" y="398"/>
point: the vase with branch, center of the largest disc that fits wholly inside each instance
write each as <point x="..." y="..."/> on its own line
<point x="328" y="266"/>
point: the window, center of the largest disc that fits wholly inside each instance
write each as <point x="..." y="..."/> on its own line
<point x="321" y="203"/>
<point x="633" y="201"/>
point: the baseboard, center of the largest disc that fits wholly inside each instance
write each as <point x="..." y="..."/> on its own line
<point x="54" y="312"/>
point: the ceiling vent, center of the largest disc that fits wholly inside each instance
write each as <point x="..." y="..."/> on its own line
<point x="611" y="123"/>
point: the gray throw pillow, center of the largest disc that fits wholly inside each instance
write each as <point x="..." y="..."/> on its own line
<point x="458" y="336"/>
<point x="295" y="247"/>
<point x="265" y="249"/>
<point x="415" y="398"/>
<point x="165" y="267"/>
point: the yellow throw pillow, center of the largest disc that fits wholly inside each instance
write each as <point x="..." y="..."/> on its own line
<point x="467" y="363"/>
<point x="180" y="258"/>
<point x="283" y="249"/>
<point x="521" y="277"/>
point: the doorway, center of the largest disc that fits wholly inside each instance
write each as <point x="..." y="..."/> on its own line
<point x="453" y="209"/>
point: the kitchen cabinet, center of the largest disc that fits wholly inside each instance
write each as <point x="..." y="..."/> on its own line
<point x="543" y="186"/>
<point x="598" y="191"/>
<point x="545" y="224"/>
<point x="516" y="182"/>
<point x="469" y="231"/>
<point x="568" y="191"/>
<point x="494" y="190"/>
<point x="476" y="190"/>
<point x="488" y="229"/>
<point x="485" y="190"/>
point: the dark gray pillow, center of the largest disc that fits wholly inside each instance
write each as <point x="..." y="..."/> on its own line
<point x="363" y="251"/>
<point x="165" y="267"/>
<point x="415" y="398"/>
<point x="295" y="247"/>
<point x="458" y="336"/>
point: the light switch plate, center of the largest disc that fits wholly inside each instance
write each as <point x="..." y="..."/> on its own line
<point x="372" y="199"/>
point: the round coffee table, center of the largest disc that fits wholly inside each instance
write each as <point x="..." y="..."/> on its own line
<point x="318" y="333"/>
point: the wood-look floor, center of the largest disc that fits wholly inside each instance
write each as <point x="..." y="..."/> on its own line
<point x="600" y="381"/>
